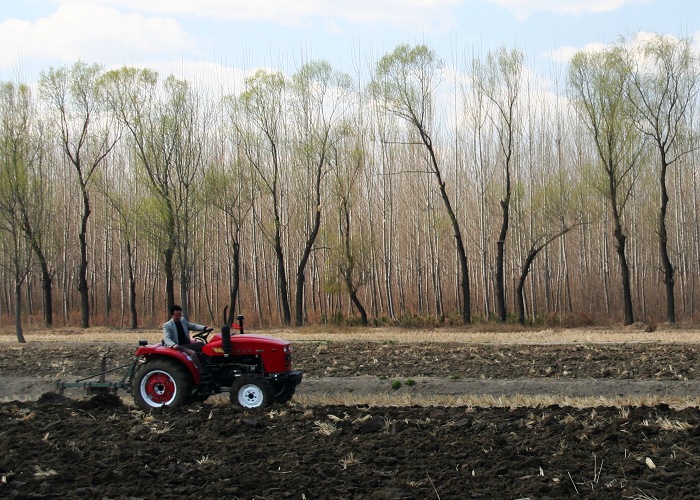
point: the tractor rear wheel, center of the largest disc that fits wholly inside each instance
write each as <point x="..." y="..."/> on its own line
<point x="161" y="382"/>
<point x="251" y="391"/>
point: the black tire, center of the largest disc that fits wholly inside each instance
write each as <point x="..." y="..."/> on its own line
<point x="283" y="391"/>
<point x="161" y="382"/>
<point x="252" y="391"/>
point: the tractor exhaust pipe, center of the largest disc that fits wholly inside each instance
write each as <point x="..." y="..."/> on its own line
<point x="226" y="332"/>
<point x="226" y="340"/>
<point x="226" y="336"/>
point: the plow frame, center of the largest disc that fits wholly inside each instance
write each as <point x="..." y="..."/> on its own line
<point x="102" y="386"/>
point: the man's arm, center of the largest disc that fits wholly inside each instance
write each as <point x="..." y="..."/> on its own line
<point x="195" y="327"/>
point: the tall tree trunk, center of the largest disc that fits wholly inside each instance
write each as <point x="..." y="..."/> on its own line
<point x="301" y="278"/>
<point x="185" y="292"/>
<point x="348" y="271"/>
<point x="525" y="270"/>
<point x="500" y="255"/>
<point x="107" y="274"/>
<point x="168" y="256"/>
<point x="132" y="287"/>
<point x="666" y="265"/>
<point x="235" y="280"/>
<point x="283" y="287"/>
<point x="18" y="312"/>
<point x="461" y="252"/>
<point x="46" y="276"/>
<point x="256" y="272"/>
<point x="620" y="240"/>
<point x="356" y="301"/>
<point x="82" y="277"/>
<point x="47" y="293"/>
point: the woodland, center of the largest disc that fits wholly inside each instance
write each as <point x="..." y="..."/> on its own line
<point x="410" y="192"/>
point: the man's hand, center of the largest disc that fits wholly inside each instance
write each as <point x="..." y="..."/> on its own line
<point x="176" y="347"/>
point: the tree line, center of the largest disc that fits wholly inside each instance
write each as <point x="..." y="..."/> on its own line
<point x="408" y="193"/>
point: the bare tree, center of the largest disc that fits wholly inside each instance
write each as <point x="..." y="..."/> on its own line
<point x="17" y="257"/>
<point x="167" y="136"/>
<point x="663" y="85"/>
<point x="225" y="186"/>
<point x="384" y="194"/>
<point x="405" y="81"/>
<point x="118" y="188"/>
<point x="189" y="115"/>
<point x="499" y="79"/>
<point x="320" y="96"/>
<point x="18" y="154"/>
<point x="598" y="82"/>
<point x="88" y="134"/>
<point x="23" y="139"/>
<point x="260" y="124"/>
<point x="482" y="171"/>
<point x="347" y="166"/>
<point x="551" y="216"/>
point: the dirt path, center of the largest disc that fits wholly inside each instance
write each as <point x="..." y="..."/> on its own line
<point x="31" y="388"/>
<point x="580" y="388"/>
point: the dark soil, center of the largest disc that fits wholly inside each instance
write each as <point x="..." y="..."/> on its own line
<point x="390" y="359"/>
<point x="102" y="447"/>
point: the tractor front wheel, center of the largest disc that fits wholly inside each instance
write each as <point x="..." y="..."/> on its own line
<point x="283" y="391"/>
<point x="160" y="382"/>
<point x="251" y="391"/>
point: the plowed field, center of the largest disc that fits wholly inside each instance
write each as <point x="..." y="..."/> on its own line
<point x="402" y="446"/>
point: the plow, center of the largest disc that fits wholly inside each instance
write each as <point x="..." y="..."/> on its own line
<point x="255" y="370"/>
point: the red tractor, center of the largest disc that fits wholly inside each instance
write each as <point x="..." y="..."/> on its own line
<point x="255" y="370"/>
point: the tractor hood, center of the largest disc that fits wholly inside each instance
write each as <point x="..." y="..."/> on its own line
<point x="246" y="344"/>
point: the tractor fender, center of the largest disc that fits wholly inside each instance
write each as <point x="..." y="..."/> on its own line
<point x="153" y="351"/>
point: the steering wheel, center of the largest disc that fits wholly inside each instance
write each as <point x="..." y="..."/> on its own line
<point x="203" y="335"/>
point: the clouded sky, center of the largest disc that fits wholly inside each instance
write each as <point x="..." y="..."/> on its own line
<point x="187" y="37"/>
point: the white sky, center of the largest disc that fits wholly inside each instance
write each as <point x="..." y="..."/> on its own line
<point x="226" y="37"/>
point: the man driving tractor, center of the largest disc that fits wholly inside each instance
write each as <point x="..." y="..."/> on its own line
<point x="176" y="335"/>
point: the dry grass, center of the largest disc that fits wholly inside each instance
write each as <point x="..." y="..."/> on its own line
<point x="483" y="401"/>
<point x="93" y="334"/>
<point x="317" y="334"/>
<point x="671" y="425"/>
<point x="348" y="460"/>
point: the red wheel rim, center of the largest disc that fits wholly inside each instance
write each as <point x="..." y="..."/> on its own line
<point x="158" y="388"/>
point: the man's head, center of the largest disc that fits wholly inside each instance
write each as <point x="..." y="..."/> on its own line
<point x="176" y="312"/>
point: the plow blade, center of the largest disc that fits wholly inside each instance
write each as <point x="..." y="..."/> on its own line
<point x="92" y="387"/>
